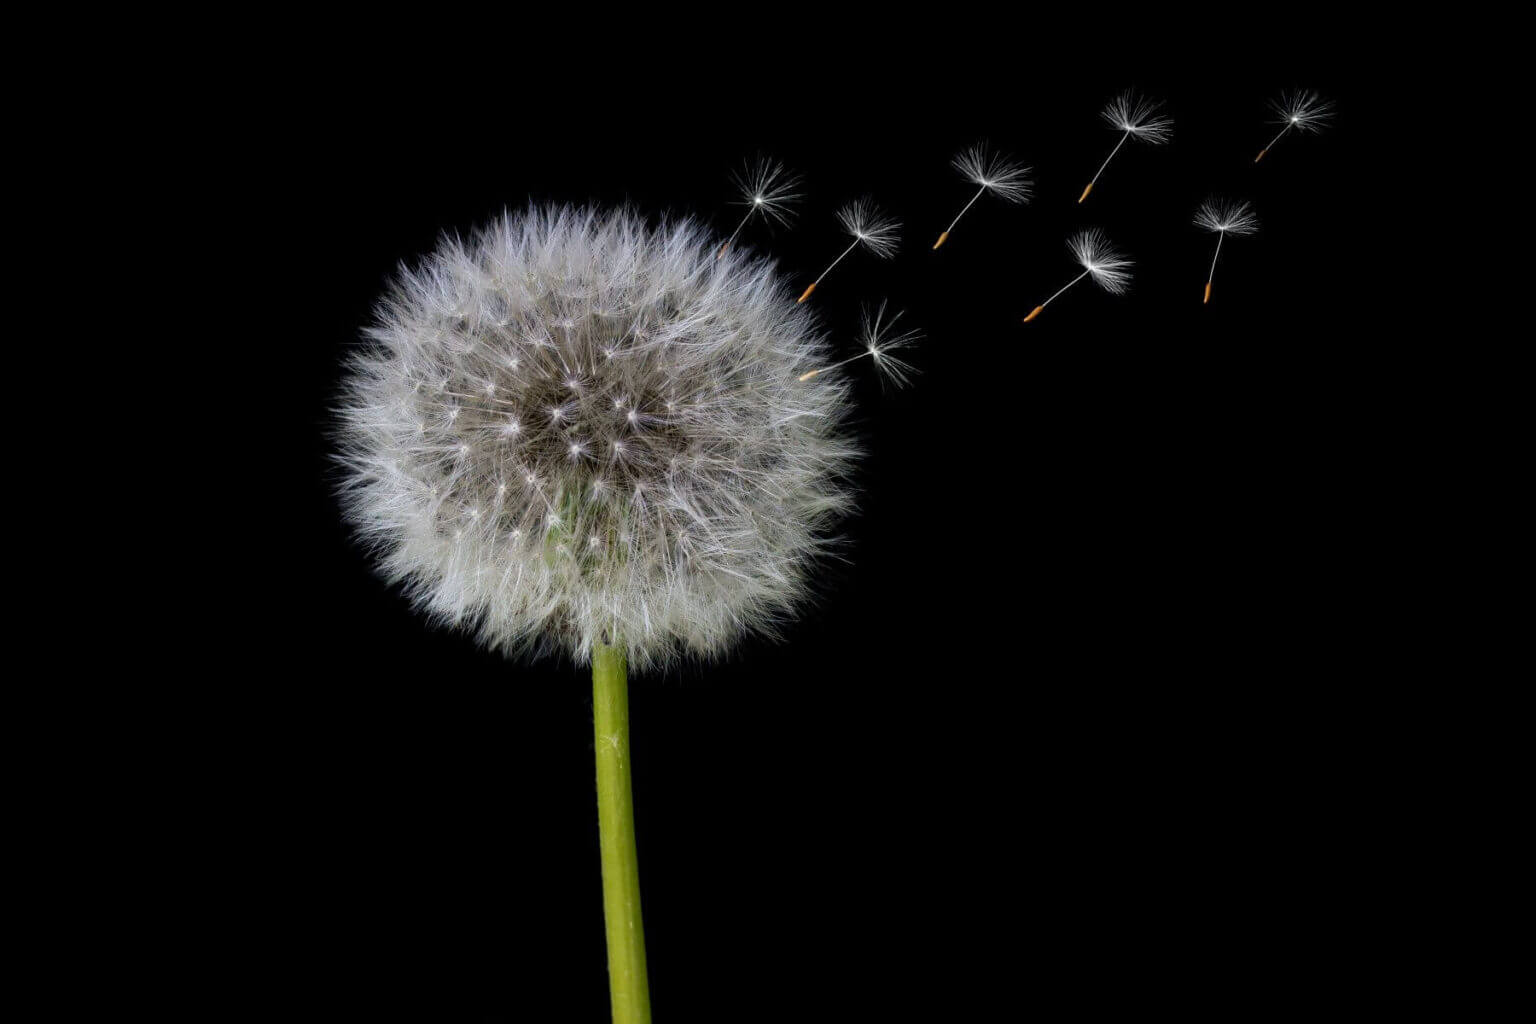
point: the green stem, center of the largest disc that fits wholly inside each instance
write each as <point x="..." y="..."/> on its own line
<point x="628" y="989"/>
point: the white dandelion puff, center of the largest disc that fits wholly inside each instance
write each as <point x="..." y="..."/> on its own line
<point x="1110" y="269"/>
<point x="768" y="191"/>
<point x="994" y="173"/>
<point x="869" y="227"/>
<point x="1135" y="117"/>
<point x="1302" y="110"/>
<point x="650" y="476"/>
<point x="1138" y="116"/>
<point x="1231" y="218"/>
<point x="1225" y="218"/>
<point x="880" y="340"/>
<point x="1099" y="259"/>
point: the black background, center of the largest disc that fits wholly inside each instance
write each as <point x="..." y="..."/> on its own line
<point x="1057" y="733"/>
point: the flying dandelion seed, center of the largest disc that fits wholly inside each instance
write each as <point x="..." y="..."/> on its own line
<point x="1097" y="257"/>
<point x="869" y="227"/>
<point x="1135" y="117"/>
<point x="880" y="339"/>
<point x="766" y="190"/>
<point x="997" y="174"/>
<point x="1304" y="111"/>
<point x="1224" y="218"/>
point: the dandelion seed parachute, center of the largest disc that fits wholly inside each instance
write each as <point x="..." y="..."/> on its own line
<point x="1093" y="252"/>
<point x="1225" y="218"/>
<point x="1303" y="110"/>
<point x="1135" y="117"/>
<point x="578" y="429"/>
<point x="1004" y="178"/>
<point x="880" y="338"/>
<point x="767" y="190"/>
<point x="870" y="228"/>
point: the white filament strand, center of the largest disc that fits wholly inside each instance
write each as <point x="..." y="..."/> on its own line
<point x="1107" y="159"/>
<point x="1069" y="284"/>
<point x="835" y="262"/>
<point x="967" y="207"/>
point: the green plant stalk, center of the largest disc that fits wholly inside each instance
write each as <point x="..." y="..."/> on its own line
<point x="628" y="988"/>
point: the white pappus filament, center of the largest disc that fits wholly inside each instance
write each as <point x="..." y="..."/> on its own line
<point x="870" y="228"/>
<point x="767" y="190"/>
<point x="1225" y="218"/>
<point x="1004" y="178"/>
<point x="1302" y="110"/>
<point x="1093" y="252"/>
<point x="880" y="339"/>
<point x="1135" y="117"/>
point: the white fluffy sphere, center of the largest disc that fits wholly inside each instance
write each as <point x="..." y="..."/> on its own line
<point x="576" y="429"/>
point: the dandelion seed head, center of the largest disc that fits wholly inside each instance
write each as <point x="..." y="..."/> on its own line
<point x="881" y="341"/>
<point x="675" y="499"/>
<point x="1227" y="216"/>
<point x="768" y="189"/>
<point x="1005" y="178"/>
<point x="1094" y="253"/>
<point x="1139" y="116"/>
<point x="879" y="233"/>
<point x="1303" y="110"/>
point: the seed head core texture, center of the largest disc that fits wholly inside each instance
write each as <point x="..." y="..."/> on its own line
<point x="577" y="428"/>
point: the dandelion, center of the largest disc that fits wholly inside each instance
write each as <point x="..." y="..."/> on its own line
<point x="1002" y="177"/>
<point x="1224" y="218"/>
<point x="880" y="339"/>
<point x="1303" y="110"/>
<point x="1134" y="117"/>
<point x="1093" y="252"/>
<point x="869" y="227"/>
<point x="580" y="433"/>
<point x="766" y="190"/>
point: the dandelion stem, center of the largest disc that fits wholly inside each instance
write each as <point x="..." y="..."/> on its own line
<point x="967" y="207"/>
<point x="824" y="369"/>
<point x="1041" y="308"/>
<point x="1095" y="181"/>
<point x="1221" y="236"/>
<point x="728" y="241"/>
<point x="812" y="286"/>
<point x="1064" y="287"/>
<point x="839" y="259"/>
<point x="629" y="990"/>
<point x="1272" y="141"/>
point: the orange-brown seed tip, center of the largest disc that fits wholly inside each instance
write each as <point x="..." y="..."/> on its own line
<point x="1085" y="192"/>
<point x="806" y="294"/>
<point x="724" y="246"/>
<point x="1260" y="156"/>
<point x="808" y="376"/>
<point x="1033" y="313"/>
<point x="941" y="240"/>
<point x="1207" y="293"/>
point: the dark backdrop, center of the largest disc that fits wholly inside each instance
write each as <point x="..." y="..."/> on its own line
<point x="1054" y="733"/>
